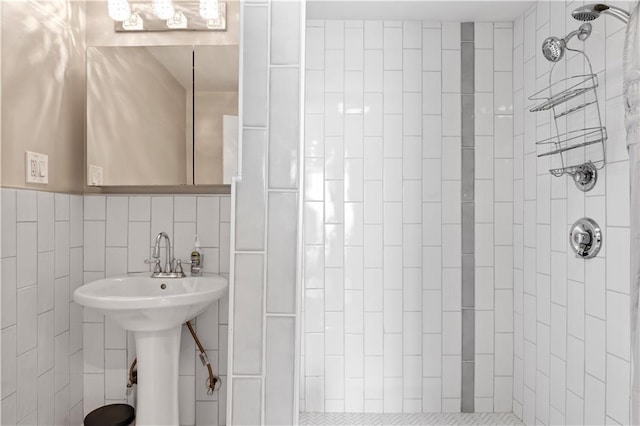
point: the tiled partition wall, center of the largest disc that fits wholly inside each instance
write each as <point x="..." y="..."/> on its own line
<point x="382" y="236"/>
<point x="264" y="299"/>
<point x="119" y="232"/>
<point x="571" y="332"/>
<point x="41" y="327"/>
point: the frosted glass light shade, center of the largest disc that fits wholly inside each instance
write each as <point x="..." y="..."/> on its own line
<point x="209" y="9"/>
<point x="163" y="9"/>
<point x="119" y="10"/>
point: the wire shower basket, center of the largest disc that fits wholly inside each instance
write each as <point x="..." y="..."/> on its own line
<point x="578" y="146"/>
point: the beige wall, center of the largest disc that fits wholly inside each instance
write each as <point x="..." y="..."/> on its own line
<point x="135" y="118"/>
<point x="42" y="91"/>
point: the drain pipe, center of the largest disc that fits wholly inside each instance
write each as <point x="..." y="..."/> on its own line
<point x="212" y="380"/>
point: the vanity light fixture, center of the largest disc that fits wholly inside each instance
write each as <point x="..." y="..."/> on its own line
<point x="209" y="9"/>
<point x="119" y="10"/>
<point x="164" y="15"/>
<point x="164" y="9"/>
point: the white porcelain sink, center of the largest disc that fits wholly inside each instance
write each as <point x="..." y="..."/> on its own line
<point x="154" y="309"/>
<point x="140" y="303"/>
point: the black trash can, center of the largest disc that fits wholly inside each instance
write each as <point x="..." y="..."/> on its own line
<point x="111" y="415"/>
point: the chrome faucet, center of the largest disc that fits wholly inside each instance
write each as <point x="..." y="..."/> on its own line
<point x="168" y="259"/>
<point x="170" y="271"/>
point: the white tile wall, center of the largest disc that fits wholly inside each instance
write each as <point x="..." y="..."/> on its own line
<point x="120" y="231"/>
<point x="409" y="217"/>
<point x="571" y="323"/>
<point x="40" y="341"/>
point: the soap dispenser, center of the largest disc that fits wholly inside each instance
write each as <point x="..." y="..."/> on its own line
<point x="196" y="259"/>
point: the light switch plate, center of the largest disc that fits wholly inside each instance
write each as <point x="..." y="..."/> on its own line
<point x="95" y="175"/>
<point x="37" y="168"/>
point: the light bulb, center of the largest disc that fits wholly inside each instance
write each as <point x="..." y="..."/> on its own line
<point x="119" y="10"/>
<point x="163" y="9"/>
<point x="209" y="9"/>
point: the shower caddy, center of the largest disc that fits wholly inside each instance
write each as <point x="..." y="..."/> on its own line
<point x="562" y="98"/>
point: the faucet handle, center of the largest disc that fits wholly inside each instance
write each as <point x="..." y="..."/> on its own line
<point x="179" y="269"/>
<point x="156" y="261"/>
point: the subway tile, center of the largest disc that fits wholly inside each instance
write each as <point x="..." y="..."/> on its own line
<point x="431" y="93"/>
<point x="373" y="111"/>
<point x="9" y="291"/>
<point x="392" y="44"/>
<point x="451" y="35"/>
<point x="62" y="247"/>
<point x="392" y="355"/>
<point x="432" y="308"/>
<point x="94" y="244"/>
<point x="616" y="389"/>
<point x="26" y="253"/>
<point x="354" y="48"/>
<point x="412" y="69"/>
<point x="279" y="371"/>
<point x="27" y="395"/>
<point x="334" y="34"/>
<point x="139" y="209"/>
<point x="27" y="322"/>
<point x="248" y="310"/>
<point x="27" y="206"/>
<point x="432" y="355"/>
<point x="250" y="193"/>
<point x="373" y="69"/>
<point x="618" y="325"/>
<point x="334" y="114"/>
<point x="431" y="49"/>
<point x="46" y="398"/>
<point x="8" y="205"/>
<point x="412" y="114"/>
<point x="45" y="221"/>
<point x="334" y="333"/>
<point x="94" y="207"/>
<point x="373" y="334"/>
<point x="61" y="305"/>
<point x="246" y="391"/>
<point x="255" y="58"/>
<point x="285" y="34"/>
<point x="353" y="268"/>
<point x="283" y="128"/>
<point x="314" y="136"/>
<point x="116" y="226"/>
<point x="373" y="290"/>
<point x="451" y="61"/>
<point x="9" y="362"/>
<point x="281" y="244"/>
<point x="431" y="139"/>
<point x="392" y="91"/>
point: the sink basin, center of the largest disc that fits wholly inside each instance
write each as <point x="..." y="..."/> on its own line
<point x="141" y="303"/>
<point x="154" y="309"/>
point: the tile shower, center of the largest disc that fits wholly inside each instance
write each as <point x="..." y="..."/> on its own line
<point x="390" y="220"/>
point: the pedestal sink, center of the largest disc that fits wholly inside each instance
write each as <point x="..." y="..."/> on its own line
<point x="154" y="309"/>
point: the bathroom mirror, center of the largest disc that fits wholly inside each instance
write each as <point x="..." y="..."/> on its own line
<point x="161" y="115"/>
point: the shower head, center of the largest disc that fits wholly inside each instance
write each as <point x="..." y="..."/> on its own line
<point x="553" y="47"/>
<point x="589" y="12"/>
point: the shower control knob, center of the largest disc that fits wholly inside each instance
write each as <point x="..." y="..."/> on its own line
<point x="585" y="238"/>
<point x="585" y="176"/>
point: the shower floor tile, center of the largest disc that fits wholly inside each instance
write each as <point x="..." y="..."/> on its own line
<point x="408" y="419"/>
